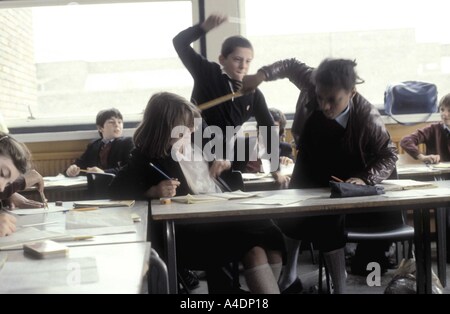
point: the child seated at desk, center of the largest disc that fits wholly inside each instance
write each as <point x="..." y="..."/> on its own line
<point x="108" y="153"/>
<point x="435" y="137"/>
<point x="199" y="246"/>
<point x="14" y="175"/>
<point x="286" y="156"/>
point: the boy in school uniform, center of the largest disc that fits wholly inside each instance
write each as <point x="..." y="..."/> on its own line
<point x="436" y="138"/>
<point x="338" y="133"/>
<point x="108" y="153"/>
<point x="212" y="80"/>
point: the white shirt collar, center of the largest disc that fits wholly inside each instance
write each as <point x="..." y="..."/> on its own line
<point x="342" y="118"/>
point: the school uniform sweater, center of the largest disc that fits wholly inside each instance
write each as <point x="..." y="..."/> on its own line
<point x="210" y="83"/>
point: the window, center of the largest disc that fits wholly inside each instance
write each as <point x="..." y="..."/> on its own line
<point x="391" y="41"/>
<point x="70" y="61"/>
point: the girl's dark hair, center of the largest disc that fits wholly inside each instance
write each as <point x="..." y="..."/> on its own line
<point x="105" y="115"/>
<point x="163" y="113"/>
<point x="445" y="101"/>
<point x="336" y="73"/>
<point x="18" y="152"/>
<point x="231" y="43"/>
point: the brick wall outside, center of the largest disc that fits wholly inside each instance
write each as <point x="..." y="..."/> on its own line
<point x="18" y="88"/>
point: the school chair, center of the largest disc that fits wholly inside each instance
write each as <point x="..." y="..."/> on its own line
<point x="158" y="278"/>
<point x="98" y="183"/>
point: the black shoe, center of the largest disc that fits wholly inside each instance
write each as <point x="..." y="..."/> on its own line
<point x="295" y="288"/>
<point x="189" y="278"/>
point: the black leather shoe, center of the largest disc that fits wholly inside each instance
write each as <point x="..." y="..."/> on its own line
<point x="189" y="278"/>
<point x="295" y="288"/>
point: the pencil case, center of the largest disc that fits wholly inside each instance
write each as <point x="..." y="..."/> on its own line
<point x="344" y="189"/>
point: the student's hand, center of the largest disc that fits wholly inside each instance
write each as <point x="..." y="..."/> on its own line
<point x="165" y="188"/>
<point x="213" y="21"/>
<point x="7" y="224"/>
<point x="94" y="169"/>
<point x="73" y="171"/>
<point x="283" y="181"/>
<point x="285" y="160"/>
<point x="251" y="82"/>
<point x="219" y="166"/>
<point x="19" y="201"/>
<point x="355" y="181"/>
<point x="33" y="178"/>
<point x="429" y="159"/>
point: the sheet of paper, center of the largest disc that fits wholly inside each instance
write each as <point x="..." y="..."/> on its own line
<point x="254" y="176"/>
<point x="104" y="203"/>
<point x="212" y="197"/>
<point x="28" y="235"/>
<point x="98" y="218"/>
<point x="276" y="200"/>
<point x="33" y="211"/>
<point x="417" y="193"/>
<point x="414" y="169"/>
<point x="102" y="231"/>
<point x="441" y="165"/>
<point x="286" y="170"/>
<point x="43" y="273"/>
<point x="61" y="180"/>
<point x="404" y="184"/>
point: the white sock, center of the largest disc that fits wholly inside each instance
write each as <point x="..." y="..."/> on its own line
<point x="276" y="270"/>
<point x="260" y="280"/>
<point x="289" y="274"/>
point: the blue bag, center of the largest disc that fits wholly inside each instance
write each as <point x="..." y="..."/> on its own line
<point x="410" y="97"/>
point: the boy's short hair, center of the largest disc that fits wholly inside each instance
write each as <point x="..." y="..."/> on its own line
<point x="278" y="116"/>
<point x="104" y="115"/>
<point x="231" y="43"/>
<point x="444" y="102"/>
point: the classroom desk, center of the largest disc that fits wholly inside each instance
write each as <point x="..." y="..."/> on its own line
<point x="140" y="208"/>
<point x="417" y="170"/>
<point x="318" y="204"/>
<point x="118" y="268"/>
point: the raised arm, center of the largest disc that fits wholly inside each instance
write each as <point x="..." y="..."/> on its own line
<point x="297" y="72"/>
<point x="194" y="62"/>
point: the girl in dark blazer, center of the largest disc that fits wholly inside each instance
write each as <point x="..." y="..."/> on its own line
<point x="205" y="246"/>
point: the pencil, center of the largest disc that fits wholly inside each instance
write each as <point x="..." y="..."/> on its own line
<point x="160" y="171"/>
<point x="84" y="209"/>
<point x="336" y="179"/>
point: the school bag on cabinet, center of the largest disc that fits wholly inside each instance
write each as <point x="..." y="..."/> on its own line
<point x="410" y="97"/>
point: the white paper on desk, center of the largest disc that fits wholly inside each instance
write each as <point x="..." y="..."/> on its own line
<point x="61" y="180"/>
<point x="405" y="184"/>
<point x="98" y="218"/>
<point x="102" y="231"/>
<point x="212" y="197"/>
<point x="277" y="200"/>
<point x="417" y="169"/>
<point x="418" y="193"/>
<point x="45" y="273"/>
<point x="441" y="165"/>
<point x="254" y="176"/>
<point x="34" y="211"/>
<point x="28" y="235"/>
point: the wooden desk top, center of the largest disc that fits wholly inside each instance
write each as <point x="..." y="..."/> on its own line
<point x="320" y="203"/>
<point x="88" y="269"/>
